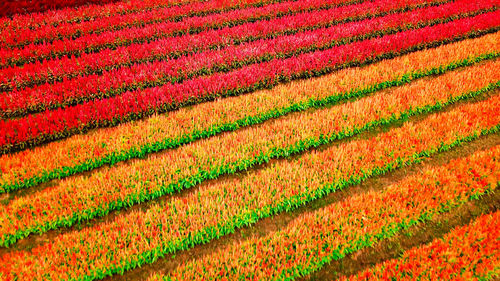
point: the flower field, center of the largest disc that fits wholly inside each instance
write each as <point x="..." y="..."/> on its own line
<point x="249" y="140"/>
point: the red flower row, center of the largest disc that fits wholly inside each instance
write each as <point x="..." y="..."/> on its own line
<point x="115" y="82"/>
<point x="39" y="72"/>
<point x="133" y="105"/>
<point x="50" y="33"/>
<point x="12" y="7"/>
<point x="92" y="12"/>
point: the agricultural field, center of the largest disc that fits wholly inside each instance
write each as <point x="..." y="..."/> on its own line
<point x="249" y="140"/>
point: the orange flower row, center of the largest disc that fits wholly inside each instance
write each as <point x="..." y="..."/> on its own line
<point x="138" y="138"/>
<point x="358" y="222"/>
<point x="216" y="209"/>
<point x="83" y="197"/>
<point x="139" y="181"/>
<point x="470" y="252"/>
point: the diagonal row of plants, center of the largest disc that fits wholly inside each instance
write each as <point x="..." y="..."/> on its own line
<point x="470" y="251"/>
<point x="142" y="180"/>
<point x="317" y="238"/>
<point x="48" y="33"/>
<point x="87" y="13"/>
<point x="137" y="77"/>
<point x="217" y="209"/>
<point x="138" y="139"/>
<point x="50" y="125"/>
<point x="98" y="33"/>
<point x="117" y="16"/>
<point x="68" y="67"/>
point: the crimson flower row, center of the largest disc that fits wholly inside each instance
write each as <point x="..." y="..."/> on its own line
<point x="32" y="129"/>
<point x="40" y="72"/>
<point x="93" y="43"/>
<point x="99" y="12"/>
<point x="70" y="92"/>
<point x="50" y="33"/>
<point x="12" y="7"/>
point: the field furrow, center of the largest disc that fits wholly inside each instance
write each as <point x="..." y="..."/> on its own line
<point x="348" y="226"/>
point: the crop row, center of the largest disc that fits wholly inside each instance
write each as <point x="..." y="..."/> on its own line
<point x="144" y="236"/>
<point x="70" y="31"/>
<point x="12" y="7"/>
<point x="139" y="138"/>
<point x="142" y="180"/>
<point x="470" y="252"/>
<point x="70" y="92"/>
<point x="91" y="13"/>
<point x="358" y="222"/>
<point x="86" y="63"/>
<point x="50" y="125"/>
